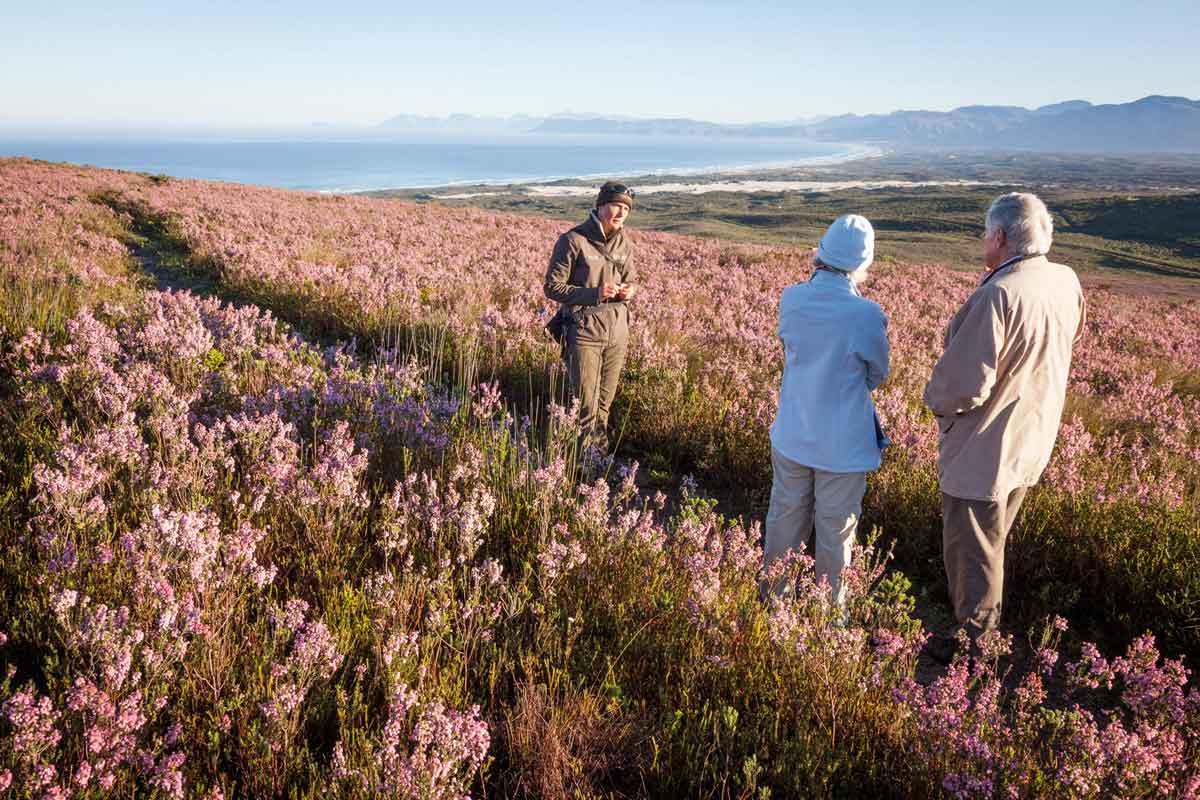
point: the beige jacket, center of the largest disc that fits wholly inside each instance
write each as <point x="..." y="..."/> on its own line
<point x="998" y="389"/>
<point x="582" y="260"/>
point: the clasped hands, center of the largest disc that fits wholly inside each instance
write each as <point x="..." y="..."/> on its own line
<point x="615" y="291"/>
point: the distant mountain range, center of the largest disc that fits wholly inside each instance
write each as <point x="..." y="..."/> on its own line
<point x="469" y="123"/>
<point x="591" y="123"/>
<point x="460" y="123"/>
<point x="1154" y="123"/>
<point x="1151" y="124"/>
<point x="671" y="127"/>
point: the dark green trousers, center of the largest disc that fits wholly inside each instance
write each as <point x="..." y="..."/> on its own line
<point x="594" y="370"/>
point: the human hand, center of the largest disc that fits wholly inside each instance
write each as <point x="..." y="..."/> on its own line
<point x="608" y="291"/>
<point x="623" y="290"/>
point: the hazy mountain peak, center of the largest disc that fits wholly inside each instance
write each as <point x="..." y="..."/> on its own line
<point x="976" y="109"/>
<point x="1065" y="105"/>
<point x="1166" y="100"/>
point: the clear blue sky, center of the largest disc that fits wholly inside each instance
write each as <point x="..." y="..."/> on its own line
<point x="259" y="64"/>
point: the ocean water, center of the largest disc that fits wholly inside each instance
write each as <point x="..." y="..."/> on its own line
<point x="347" y="166"/>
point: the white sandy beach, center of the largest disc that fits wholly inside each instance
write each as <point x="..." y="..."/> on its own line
<point x="747" y="186"/>
<point x="548" y="185"/>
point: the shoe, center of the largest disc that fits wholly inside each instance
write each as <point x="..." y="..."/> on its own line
<point x="941" y="648"/>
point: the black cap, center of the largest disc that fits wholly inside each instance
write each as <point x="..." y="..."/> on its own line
<point x="614" y="192"/>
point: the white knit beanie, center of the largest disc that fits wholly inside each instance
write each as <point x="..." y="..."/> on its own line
<point x="849" y="244"/>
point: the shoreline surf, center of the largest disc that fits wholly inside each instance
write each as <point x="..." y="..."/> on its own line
<point x="334" y="167"/>
<point x="855" y="153"/>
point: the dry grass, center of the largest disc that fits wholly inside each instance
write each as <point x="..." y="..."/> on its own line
<point x="569" y="743"/>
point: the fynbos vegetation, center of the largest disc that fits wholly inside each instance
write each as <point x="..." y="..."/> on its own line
<point x="333" y="539"/>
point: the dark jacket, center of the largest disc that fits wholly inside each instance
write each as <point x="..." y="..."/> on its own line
<point x="582" y="260"/>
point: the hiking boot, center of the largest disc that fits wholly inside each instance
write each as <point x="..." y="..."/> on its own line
<point x="941" y="648"/>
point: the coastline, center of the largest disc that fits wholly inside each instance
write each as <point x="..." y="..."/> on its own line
<point x="745" y="186"/>
<point x="855" y="152"/>
<point x="438" y="164"/>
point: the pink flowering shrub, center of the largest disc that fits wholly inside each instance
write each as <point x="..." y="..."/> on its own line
<point x="990" y="741"/>
<point x="424" y="750"/>
<point x="700" y="389"/>
<point x="238" y="563"/>
<point x="58" y="248"/>
<point x="153" y="522"/>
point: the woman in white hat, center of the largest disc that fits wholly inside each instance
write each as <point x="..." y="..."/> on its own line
<point x="825" y="438"/>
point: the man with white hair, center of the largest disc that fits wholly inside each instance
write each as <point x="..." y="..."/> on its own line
<point x="998" y="393"/>
<point x="825" y="438"/>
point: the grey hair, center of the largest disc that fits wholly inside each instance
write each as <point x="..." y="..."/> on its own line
<point x="1027" y="225"/>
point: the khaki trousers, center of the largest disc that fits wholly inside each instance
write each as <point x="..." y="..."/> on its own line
<point x="594" y="370"/>
<point x="802" y="499"/>
<point x="973" y="537"/>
